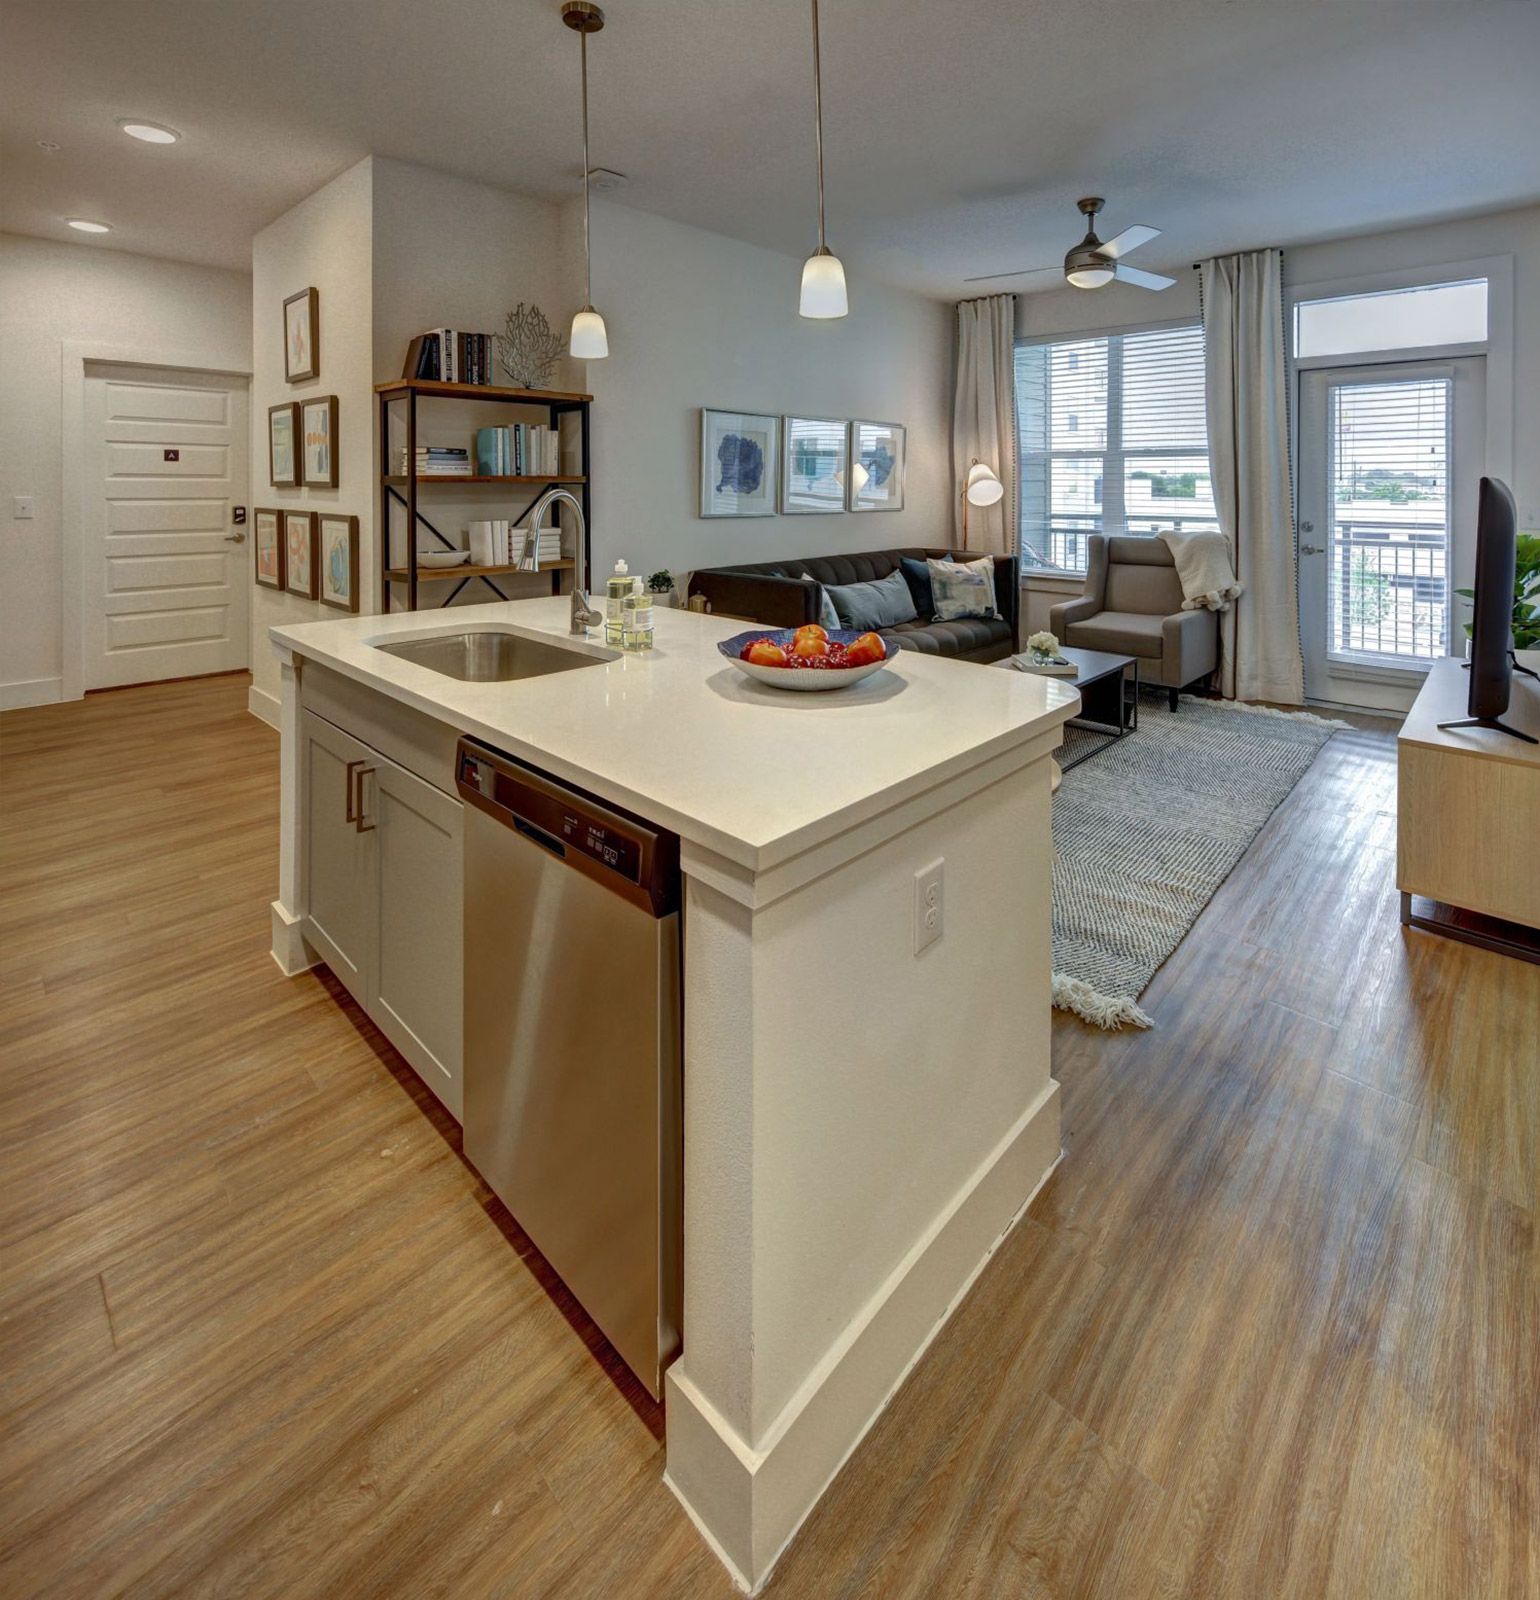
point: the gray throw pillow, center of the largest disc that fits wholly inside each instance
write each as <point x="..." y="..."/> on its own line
<point x="827" y="615"/>
<point x="882" y="603"/>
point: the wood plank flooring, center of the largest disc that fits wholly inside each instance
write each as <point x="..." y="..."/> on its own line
<point x="1273" y="1328"/>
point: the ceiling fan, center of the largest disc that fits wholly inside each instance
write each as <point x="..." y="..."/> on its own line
<point x="1091" y="263"/>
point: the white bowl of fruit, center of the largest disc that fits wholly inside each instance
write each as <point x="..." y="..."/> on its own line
<point x="807" y="658"/>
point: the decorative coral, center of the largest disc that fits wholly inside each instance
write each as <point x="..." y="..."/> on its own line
<point x="528" y="349"/>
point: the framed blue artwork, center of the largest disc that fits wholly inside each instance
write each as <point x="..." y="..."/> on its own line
<point x="815" y="460"/>
<point x="739" y="453"/>
<point x="877" y="466"/>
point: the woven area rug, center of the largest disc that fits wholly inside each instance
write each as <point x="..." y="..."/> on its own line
<point x="1146" y="831"/>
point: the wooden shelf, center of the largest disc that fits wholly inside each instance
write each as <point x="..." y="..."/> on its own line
<point x="438" y="574"/>
<point x="481" y="391"/>
<point x="476" y="477"/>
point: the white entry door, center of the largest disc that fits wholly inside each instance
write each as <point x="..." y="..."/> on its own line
<point x="1390" y="456"/>
<point x="166" y="587"/>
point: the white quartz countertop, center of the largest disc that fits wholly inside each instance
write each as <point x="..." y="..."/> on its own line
<point x="682" y="737"/>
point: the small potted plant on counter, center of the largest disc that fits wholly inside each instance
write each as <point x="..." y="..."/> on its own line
<point x="661" y="587"/>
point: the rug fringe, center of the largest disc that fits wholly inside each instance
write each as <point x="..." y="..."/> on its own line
<point x="1109" y="1011"/>
<point x="1271" y="711"/>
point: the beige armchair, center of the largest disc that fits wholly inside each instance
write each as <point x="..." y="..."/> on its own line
<point x="1132" y="606"/>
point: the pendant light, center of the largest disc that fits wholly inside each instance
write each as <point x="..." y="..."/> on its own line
<point x="588" y="341"/>
<point x="823" y="277"/>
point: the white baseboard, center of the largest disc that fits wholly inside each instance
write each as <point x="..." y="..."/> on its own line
<point x="749" y="1503"/>
<point x="31" y="692"/>
<point x="290" y="951"/>
<point x="264" y="706"/>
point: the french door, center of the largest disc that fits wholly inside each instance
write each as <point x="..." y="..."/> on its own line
<point x="1389" y="460"/>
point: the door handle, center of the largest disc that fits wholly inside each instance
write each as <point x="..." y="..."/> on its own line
<point x="235" y="538"/>
<point x="359" y="825"/>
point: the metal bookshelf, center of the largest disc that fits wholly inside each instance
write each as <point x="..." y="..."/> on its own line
<point x="404" y="489"/>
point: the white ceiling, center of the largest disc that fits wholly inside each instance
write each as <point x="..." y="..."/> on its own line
<point x="958" y="132"/>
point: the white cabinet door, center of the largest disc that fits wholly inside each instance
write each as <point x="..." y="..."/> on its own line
<point x="341" y="857"/>
<point x="418" y="1000"/>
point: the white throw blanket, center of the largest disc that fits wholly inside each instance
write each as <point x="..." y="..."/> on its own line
<point x="1203" y="564"/>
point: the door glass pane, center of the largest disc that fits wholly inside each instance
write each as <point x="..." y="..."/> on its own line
<point x="1395" y="319"/>
<point x="1388" y="544"/>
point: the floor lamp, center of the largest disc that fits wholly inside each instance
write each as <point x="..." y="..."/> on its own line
<point x="982" y="487"/>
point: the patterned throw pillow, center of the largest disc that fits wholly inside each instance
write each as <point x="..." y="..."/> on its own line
<point x="963" y="588"/>
<point x="827" y="615"/>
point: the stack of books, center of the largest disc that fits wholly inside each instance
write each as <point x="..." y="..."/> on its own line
<point x="437" y="461"/>
<point x="523" y="450"/>
<point x="449" y="356"/>
<point x="501" y="543"/>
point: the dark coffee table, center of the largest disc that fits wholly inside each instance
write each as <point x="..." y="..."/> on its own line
<point x="1109" y="697"/>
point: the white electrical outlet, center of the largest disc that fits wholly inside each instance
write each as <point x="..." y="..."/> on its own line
<point x="929" y="904"/>
<point x="23" y="506"/>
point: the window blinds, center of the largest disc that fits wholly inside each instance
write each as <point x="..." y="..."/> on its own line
<point x="1113" y="439"/>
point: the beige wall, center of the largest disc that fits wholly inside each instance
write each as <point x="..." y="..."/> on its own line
<point x="51" y="294"/>
<point x="325" y="243"/>
<point x="696" y="320"/>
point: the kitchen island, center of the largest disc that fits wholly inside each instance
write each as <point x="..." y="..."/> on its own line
<point x="867" y="1105"/>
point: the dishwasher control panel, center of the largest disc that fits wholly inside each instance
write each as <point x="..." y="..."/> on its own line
<point x="608" y="844"/>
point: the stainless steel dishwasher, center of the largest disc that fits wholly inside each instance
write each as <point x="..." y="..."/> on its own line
<point x="572" y="1041"/>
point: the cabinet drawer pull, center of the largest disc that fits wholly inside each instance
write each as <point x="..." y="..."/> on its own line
<point x="359" y="825"/>
<point x="353" y="767"/>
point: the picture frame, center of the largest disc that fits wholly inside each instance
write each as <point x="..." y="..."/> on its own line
<point x="739" y="456"/>
<point x="283" y="445"/>
<point x="299" y="553"/>
<point x="302" y="336"/>
<point x="336" y="543"/>
<point x="318" y="441"/>
<point x="267" y="547"/>
<point x="878" y="462"/>
<point x="815" y="463"/>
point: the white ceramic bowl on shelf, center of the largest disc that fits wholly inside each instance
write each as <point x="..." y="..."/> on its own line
<point x="442" y="558"/>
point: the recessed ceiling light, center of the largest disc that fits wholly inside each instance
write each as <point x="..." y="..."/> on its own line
<point x="48" y="146"/>
<point x="85" y="225"/>
<point x="149" y="132"/>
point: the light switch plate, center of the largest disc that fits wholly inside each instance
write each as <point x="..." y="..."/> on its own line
<point x="23" y="506"/>
<point x="929" y="904"/>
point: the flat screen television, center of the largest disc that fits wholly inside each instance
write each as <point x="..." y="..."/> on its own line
<point x="1492" y="663"/>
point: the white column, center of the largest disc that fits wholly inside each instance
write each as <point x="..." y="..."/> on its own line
<point x="862" y="1126"/>
<point x="290" y="950"/>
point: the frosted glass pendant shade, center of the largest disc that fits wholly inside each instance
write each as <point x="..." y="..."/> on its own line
<point x="823" y="286"/>
<point x="983" y="487"/>
<point x="589" y="341"/>
<point x="1090" y="277"/>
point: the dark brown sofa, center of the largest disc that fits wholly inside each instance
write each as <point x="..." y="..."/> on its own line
<point x="785" y="594"/>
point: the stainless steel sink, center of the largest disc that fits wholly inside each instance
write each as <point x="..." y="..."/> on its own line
<point x="486" y="656"/>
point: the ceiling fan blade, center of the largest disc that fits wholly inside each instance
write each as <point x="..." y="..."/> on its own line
<point x="1026" y="272"/>
<point x="1129" y="239"/>
<point x="1145" y="280"/>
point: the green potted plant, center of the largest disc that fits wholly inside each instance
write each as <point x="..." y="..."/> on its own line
<point x="1526" y="594"/>
<point x="660" y="585"/>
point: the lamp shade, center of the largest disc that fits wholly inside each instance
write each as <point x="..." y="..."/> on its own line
<point x="823" y="286"/>
<point x="1090" y="277"/>
<point x="983" y="486"/>
<point x="589" y="341"/>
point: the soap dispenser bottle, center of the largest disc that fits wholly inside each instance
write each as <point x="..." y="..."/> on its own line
<point x="619" y="584"/>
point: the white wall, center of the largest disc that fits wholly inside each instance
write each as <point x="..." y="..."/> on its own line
<point x="52" y="293"/>
<point x="325" y="243"/>
<point x="696" y="320"/>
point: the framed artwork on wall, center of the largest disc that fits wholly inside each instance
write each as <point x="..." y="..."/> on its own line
<point x="815" y="458"/>
<point x="299" y="553"/>
<point x="337" y="547"/>
<point x="738" y="454"/>
<point x="267" y="547"/>
<point x="877" y="466"/>
<point x="302" y="336"/>
<point x="318" y="441"/>
<point x="283" y="445"/>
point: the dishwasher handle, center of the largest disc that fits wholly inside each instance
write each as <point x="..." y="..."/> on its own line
<point x="546" y="841"/>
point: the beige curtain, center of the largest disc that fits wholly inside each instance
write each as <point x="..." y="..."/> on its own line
<point x="984" y="418"/>
<point x="1248" y="447"/>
